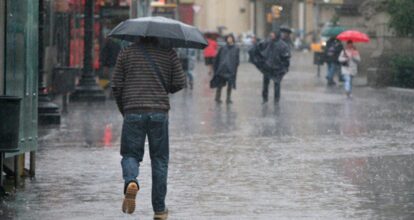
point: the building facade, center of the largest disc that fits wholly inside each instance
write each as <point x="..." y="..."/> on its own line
<point x="19" y="71"/>
<point x="232" y="16"/>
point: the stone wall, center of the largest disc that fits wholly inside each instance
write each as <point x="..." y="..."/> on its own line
<point x="384" y="44"/>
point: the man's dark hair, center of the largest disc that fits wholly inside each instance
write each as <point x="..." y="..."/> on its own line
<point x="148" y="40"/>
<point x="232" y="36"/>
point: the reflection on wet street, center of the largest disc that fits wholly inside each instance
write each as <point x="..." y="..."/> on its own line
<point x="316" y="155"/>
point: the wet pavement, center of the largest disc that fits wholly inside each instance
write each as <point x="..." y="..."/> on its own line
<point x="316" y="155"/>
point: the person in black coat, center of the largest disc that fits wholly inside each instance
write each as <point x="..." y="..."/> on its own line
<point x="108" y="56"/>
<point x="225" y="69"/>
<point x="276" y="55"/>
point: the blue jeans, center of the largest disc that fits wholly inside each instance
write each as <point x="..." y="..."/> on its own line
<point x="134" y="131"/>
<point x="190" y="76"/>
<point x="332" y="69"/>
<point x="348" y="83"/>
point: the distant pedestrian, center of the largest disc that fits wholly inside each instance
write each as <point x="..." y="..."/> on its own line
<point x="188" y="60"/>
<point x="144" y="75"/>
<point x="276" y="54"/>
<point x="349" y="59"/>
<point x="210" y="53"/>
<point x="108" y="57"/>
<point x="285" y="35"/>
<point x="225" y="69"/>
<point x="332" y="50"/>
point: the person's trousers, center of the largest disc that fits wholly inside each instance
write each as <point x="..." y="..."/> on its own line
<point x="135" y="129"/>
<point x="190" y="76"/>
<point x="348" y="83"/>
<point x="332" y="69"/>
<point x="218" y="92"/>
<point x="265" y="92"/>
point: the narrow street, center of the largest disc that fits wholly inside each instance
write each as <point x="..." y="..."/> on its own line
<point x="316" y="155"/>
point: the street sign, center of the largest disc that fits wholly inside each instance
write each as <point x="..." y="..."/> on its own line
<point x="196" y="8"/>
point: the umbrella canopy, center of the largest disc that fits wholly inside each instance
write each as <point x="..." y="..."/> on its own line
<point x="354" y="36"/>
<point x="333" y="31"/>
<point x="170" y="32"/>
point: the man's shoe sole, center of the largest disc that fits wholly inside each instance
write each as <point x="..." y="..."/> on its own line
<point x="128" y="206"/>
<point x="161" y="215"/>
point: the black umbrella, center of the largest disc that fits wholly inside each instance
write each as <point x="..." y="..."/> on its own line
<point x="170" y="32"/>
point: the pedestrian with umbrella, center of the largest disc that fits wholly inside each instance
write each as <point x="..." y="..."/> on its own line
<point x="350" y="57"/>
<point x="145" y="73"/>
<point x="331" y="51"/>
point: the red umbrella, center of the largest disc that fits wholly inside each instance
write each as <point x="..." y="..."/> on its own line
<point x="354" y="36"/>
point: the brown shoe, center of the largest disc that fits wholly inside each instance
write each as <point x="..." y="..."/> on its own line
<point x="161" y="215"/>
<point x="128" y="206"/>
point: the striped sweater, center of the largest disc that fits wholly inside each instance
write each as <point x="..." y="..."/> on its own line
<point x="135" y="84"/>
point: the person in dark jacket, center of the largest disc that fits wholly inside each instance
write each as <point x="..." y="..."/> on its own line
<point x="108" y="57"/>
<point x="276" y="54"/>
<point x="285" y="36"/>
<point x="332" y="50"/>
<point x="142" y="98"/>
<point x="225" y="69"/>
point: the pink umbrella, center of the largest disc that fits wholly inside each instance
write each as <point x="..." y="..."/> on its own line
<point x="354" y="36"/>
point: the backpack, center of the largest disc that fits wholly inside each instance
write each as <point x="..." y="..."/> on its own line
<point x="331" y="51"/>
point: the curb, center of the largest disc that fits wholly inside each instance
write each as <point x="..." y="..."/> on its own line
<point x="360" y="81"/>
<point x="401" y="92"/>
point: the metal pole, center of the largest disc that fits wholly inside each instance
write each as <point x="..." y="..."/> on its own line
<point x="316" y="17"/>
<point x="16" y="171"/>
<point x="255" y="18"/>
<point x="40" y="42"/>
<point x="32" y="170"/>
<point x="48" y="112"/>
<point x="305" y="14"/>
<point x="133" y="10"/>
<point x="1" y="174"/>
<point x="88" y="89"/>
<point x="88" y="40"/>
<point x="177" y="12"/>
<point x="2" y="44"/>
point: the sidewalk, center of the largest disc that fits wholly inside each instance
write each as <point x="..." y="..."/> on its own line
<point x="315" y="155"/>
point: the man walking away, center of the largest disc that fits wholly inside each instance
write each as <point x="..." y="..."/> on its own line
<point x="277" y="62"/>
<point x="144" y="75"/>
